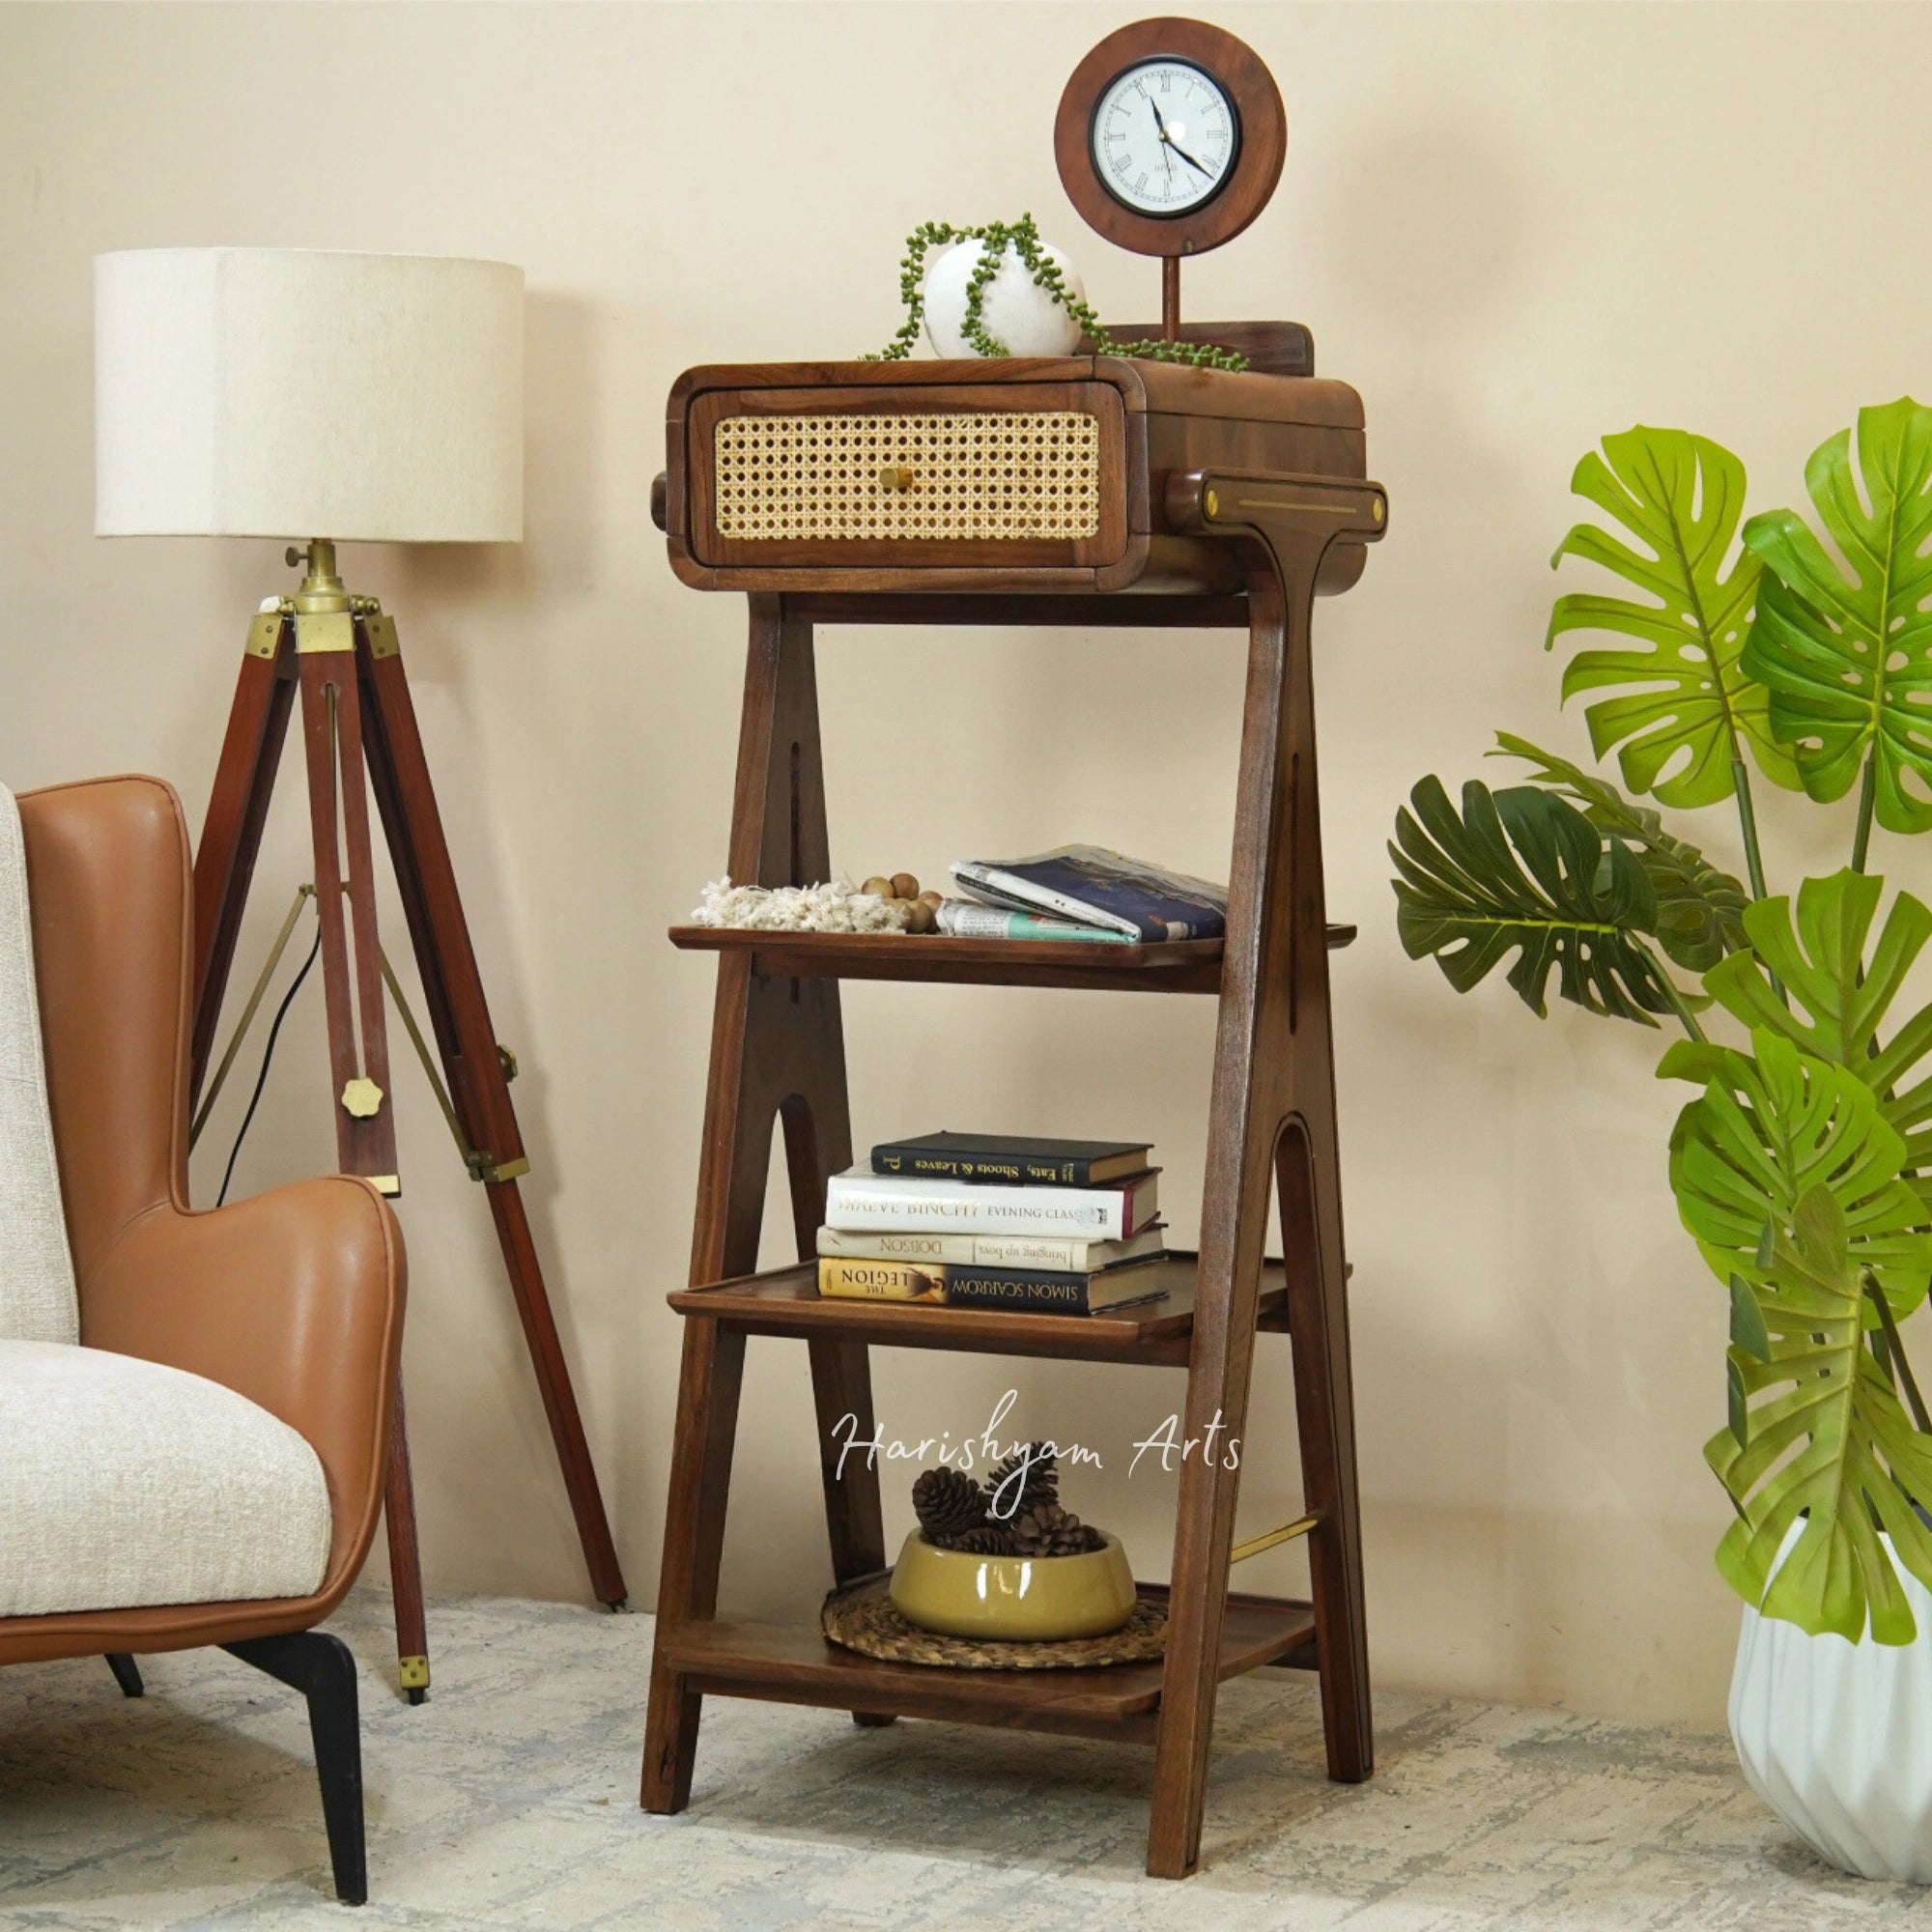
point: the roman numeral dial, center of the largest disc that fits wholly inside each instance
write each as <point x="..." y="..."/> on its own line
<point x="1164" y="136"/>
<point x="1170" y="138"/>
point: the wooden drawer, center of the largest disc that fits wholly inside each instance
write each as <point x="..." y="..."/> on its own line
<point x="1021" y="475"/>
<point x="1030" y="475"/>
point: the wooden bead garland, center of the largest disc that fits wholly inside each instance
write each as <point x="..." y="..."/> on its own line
<point x="919" y="910"/>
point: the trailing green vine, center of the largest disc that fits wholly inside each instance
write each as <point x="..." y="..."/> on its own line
<point x="1023" y="238"/>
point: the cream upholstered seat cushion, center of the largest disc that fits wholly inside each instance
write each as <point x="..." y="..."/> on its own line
<point x="37" y="1293"/>
<point x="125" y="1483"/>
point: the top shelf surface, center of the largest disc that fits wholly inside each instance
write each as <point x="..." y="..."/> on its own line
<point x="1172" y="966"/>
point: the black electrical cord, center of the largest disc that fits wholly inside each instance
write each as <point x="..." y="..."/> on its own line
<point x="267" y="1054"/>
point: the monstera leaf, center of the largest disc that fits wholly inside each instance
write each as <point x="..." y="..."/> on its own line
<point x="1839" y="996"/>
<point x="1848" y="660"/>
<point x="1680" y="497"/>
<point x="1813" y="1389"/>
<point x="1700" y="909"/>
<point x="1769" y="1127"/>
<point x="1523" y="871"/>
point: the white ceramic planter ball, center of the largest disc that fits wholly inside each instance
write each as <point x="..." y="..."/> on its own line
<point x="1836" y="1738"/>
<point x="1013" y="307"/>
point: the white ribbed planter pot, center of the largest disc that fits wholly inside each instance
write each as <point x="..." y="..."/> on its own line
<point x="1836" y="1738"/>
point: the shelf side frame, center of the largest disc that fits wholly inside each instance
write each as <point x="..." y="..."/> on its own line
<point x="778" y="1052"/>
<point x="1271" y="1125"/>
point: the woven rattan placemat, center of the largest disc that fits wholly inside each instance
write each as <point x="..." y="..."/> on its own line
<point x="862" y="1618"/>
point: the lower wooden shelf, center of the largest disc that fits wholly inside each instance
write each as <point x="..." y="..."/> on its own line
<point x="786" y="1301"/>
<point x="793" y="1663"/>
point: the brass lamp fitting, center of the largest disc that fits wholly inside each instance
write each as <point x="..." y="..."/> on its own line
<point x="322" y="591"/>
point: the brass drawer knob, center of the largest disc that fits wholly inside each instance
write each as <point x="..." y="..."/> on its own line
<point x="894" y="477"/>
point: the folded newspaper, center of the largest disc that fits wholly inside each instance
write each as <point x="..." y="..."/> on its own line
<point x="1091" y="887"/>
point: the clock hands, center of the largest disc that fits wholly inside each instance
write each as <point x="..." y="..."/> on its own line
<point x="1153" y="108"/>
<point x="1186" y="155"/>
<point x="1167" y="141"/>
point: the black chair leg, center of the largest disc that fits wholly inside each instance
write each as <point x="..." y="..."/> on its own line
<point x="321" y="1667"/>
<point x="127" y="1673"/>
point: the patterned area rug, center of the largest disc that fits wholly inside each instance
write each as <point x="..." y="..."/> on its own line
<point x="510" y="1799"/>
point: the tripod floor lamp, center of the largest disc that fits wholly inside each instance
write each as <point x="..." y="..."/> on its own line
<point x="329" y="396"/>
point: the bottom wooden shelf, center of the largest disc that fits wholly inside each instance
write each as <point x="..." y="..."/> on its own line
<point x="793" y="1663"/>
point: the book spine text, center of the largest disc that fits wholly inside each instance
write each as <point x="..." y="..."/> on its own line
<point x="880" y="1281"/>
<point x="1099" y="1214"/>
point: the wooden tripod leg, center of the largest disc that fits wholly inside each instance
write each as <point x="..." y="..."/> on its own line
<point x="399" y="1519"/>
<point x="365" y="1141"/>
<point x="365" y="1135"/>
<point x="231" y="834"/>
<point x="559" y="1398"/>
<point x="224" y="867"/>
<point x="477" y="1074"/>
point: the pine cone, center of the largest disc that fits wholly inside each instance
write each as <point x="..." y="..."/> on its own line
<point x="1052" y="1531"/>
<point x="947" y="1503"/>
<point x="985" y="1539"/>
<point x="1040" y="1483"/>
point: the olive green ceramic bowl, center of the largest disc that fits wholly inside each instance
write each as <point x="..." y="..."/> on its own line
<point x="1028" y="1599"/>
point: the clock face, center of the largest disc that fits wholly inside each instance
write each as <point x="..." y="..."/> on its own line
<point x="1164" y="138"/>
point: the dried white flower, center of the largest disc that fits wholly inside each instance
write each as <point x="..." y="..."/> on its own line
<point x="838" y="907"/>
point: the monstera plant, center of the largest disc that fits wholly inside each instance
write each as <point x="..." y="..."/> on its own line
<point x="1726" y="651"/>
<point x="1802" y="1167"/>
<point x="1796" y="650"/>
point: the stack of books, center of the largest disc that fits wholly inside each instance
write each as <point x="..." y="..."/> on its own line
<point x="1035" y="1226"/>
<point x="1081" y="892"/>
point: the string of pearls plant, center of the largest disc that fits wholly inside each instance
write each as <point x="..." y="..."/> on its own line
<point x="1022" y="237"/>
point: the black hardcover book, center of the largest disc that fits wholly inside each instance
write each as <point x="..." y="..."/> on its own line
<point x="1013" y="1158"/>
<point x="1038" y="1292"/>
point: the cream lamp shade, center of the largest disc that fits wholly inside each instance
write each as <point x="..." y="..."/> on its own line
<point x="291" y="392"/>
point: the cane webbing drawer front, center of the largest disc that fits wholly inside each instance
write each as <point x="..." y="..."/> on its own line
<point x="931" y="476"/>
<point x="961" y="477"/>
<point x="1017" y="476"/>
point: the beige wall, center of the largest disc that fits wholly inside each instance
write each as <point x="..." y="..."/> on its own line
<point x="1513" y="228"/>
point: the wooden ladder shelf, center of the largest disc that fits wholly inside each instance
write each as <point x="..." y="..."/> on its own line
<point x="1207" y="538"/>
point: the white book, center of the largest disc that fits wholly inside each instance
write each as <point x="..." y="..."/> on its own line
<point x="1065" y="1255"/>
<point x="861" y="1202"/>
<point x="968" y="918"/>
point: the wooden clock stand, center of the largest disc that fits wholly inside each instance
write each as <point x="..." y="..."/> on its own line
<point x="1091" y="492"/>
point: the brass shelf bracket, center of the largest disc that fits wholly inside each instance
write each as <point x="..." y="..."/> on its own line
<point x="1289" y="1532"/>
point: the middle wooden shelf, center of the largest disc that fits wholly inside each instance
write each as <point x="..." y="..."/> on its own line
<point x="786" y="1301"/>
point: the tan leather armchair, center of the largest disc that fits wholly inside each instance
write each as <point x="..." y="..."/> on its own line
<point x="293" y="1300"/>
